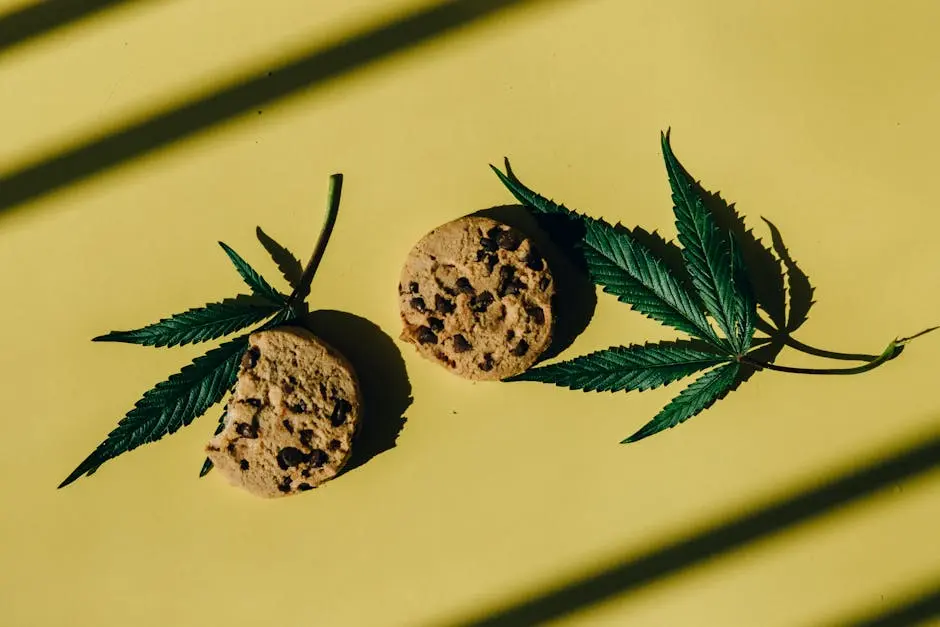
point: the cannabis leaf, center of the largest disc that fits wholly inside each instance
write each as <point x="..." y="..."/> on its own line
<point x="188" y="394"/>
<point x="706" y="250"/>
<point x="626" y="268"/>
<point x="625" y="368"/>
<point x="207" y="464"/>
<point x="719" y="292"/>
<point x="699" y="396"/>
<point x="206" y="323"/>
<point x="255" y="281"/>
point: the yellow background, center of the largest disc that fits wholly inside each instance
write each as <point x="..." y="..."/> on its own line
<point x="821" y="116"/>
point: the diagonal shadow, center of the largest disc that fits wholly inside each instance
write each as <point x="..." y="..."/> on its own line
<point x="303" y="72"/>
<point x="914" y="611"/>
<point x="635" y="572"/>
<point x="287" y="263"/>
<point x="41" y="18"/>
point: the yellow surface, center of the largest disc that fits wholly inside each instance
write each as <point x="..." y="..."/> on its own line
<point x="821" y="116"/>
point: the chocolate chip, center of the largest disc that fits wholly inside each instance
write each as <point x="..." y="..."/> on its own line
<point x="488" y="244"/>
<point x="299" y="407"/>
<point x="413" y="287"/>
<point x="243" y="464"/>
<point x="287" y="425"/>
<point x="487" y="364"/>
<point x="305" y="473"/>
<point x="510" y="334"/>
<point x="509" y="284"/>
<point x="419" y="304"/>
<point x="246" y="430"/>
<point x="442" y="305"/>
<point x="461" y="345"/>
<point x="340" y="410"/>
<point x="254" y="402"/>
<point x="426" y="336"/>
<point x="481" y="255"/>
<point x="544" y="283"/>
<point x="284" y="485"/>
<point x="491" y="261"/>
<point x="508" y="240"/>
<point x="533" y="261"/>
<point x="480" y="302"/>
<point x="306" y="435"/>
<point x="335" y="444"/>
<point x="436" y="324"/>
<point x="303" y="487"/>
<point x="230" y="448"/>
<point x="536" y="313"/>
<point x="463" y="284"/>
<point x="506" y="273"/>
<point x="494" y="232"/>
<point x="318" y="457"/>
<point x="521" y="348"/>
<point x="289" y="456"/>
<point x="292" y="380"/>
<point x="253" y="354"/>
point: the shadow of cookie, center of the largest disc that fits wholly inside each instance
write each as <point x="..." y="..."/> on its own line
<point x="385" y="388"/>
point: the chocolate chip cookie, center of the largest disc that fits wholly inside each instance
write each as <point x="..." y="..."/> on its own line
<point x="292" y="417"/>
<point x="476" y="297"/>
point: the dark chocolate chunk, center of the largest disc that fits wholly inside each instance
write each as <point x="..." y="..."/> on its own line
<point x="335" y="444"/>
<point x="491" y="261"/>
<point x="291" y="379"/>
<point x="506" y="273"/>
<point x="508" y="240"/>
<point x="443" y="305"/>
<point x="544" y="283"/>
<point x="318" y="457"/>
<point x="533" y="261"/>
<point x="306" y="436"/>
<point x="488" y="244"/>
<point x="481" y="255"/>
<point x="487" y="364"/>
<point x="426" y="336"/>
<point x="289" y="456"/>
<point x="413" y="287"/>
<point x="299" y="407"/>
<point x="254" y="402"/>
<point x="230" y="448"/>
<point x="340" y="410"/>
<point x="287" y="425"/>
<point x="536" y="313"/>
<point x="253" y="354"/>
<point x="461" y="345"/>
<point x="509" y="284"/>
<point x="284" y="485"/>
<point x="510" y="334"/>
<point x="243" y="464"/>
<point x="418" y="304"/>
<point x="436" y="324"/>
<point x="246" y="430"/>
<point x="521" y="348"/>
<point x="303" y="487"/>
<point x="494" y="232"/>
<point x="463" y="285"/>
<point x="480" y="302"/>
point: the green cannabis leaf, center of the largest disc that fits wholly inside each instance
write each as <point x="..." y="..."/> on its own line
<point x="188" y="394"/>
<point x="720" y="298"/>
<point x="206" y="323"/>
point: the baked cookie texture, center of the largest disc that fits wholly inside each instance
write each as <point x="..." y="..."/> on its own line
<point x="292" y="417"/>
<point x="475" y="296"/>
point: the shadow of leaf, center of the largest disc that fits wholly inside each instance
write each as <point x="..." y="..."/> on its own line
<point x="558" y="238"/>
<point x="287" y="263"/>
<point x="798" y="285"/>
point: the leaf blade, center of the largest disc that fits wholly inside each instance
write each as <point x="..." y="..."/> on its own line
<point x="624" y="267"/>
<point x="252" y="279"/>
<point x="170" y="405"/>
<point x="207" y="465"/>
<point x="696" y="398"/>
<point x="212" y="321"/>
<point x="625" y="368"/>
<point x="706" y="249"/>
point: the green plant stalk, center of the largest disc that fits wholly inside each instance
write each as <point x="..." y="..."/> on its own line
<point x="332" y="211"/>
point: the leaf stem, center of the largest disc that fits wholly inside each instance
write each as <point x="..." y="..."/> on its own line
<point x="332" y="211"/>
<point x="893" y="349"/>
